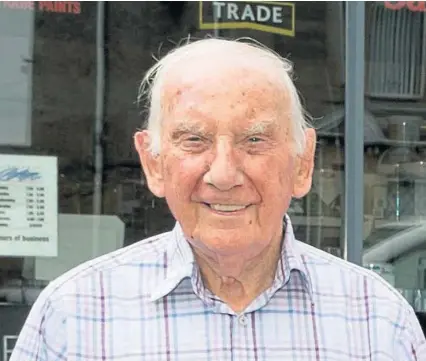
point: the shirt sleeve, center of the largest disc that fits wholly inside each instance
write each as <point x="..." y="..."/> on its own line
<point x="411" y="344"/>
<point x="43" y="337"/>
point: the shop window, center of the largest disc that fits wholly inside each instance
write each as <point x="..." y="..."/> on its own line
<point x="76" y="67"/>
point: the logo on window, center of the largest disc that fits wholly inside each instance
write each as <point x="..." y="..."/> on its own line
<point x="271" y="17"/>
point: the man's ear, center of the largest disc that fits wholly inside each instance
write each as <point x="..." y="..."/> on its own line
<point x="305" y="166"/>
<point x="151" y="163"/>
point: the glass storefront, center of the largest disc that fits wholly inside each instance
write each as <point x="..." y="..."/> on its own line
<point x="394" y="147"/>
<point x="70" y="181"/>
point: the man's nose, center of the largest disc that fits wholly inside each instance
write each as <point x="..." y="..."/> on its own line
<point x="224" y="172"/>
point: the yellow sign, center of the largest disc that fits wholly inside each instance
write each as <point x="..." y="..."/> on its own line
<point x="269" y="16"/>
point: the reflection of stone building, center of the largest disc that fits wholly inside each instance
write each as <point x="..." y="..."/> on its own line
<point x="63" y="84"/>
<point x="64" y="76"/>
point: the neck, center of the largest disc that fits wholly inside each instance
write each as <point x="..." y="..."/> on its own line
<point x="239" y="279"/>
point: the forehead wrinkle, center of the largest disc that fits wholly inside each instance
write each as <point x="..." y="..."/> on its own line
<point x="220" y="77"/>
<point x="190" y="117"/>
<point x="206" y="100"/>
<point x="211" y="104"/>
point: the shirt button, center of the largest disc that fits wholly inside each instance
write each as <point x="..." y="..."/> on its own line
<point x="242" y="319"/>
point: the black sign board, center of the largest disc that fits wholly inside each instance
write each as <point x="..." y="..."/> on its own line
<point x="272" y="17"/>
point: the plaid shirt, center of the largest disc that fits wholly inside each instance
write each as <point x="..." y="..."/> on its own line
<point x="147" y="302"/>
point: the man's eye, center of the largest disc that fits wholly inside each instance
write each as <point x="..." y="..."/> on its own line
<point x="193" y="139"/>
<point x="255" y="139"/>
<point x="193" y="143"/>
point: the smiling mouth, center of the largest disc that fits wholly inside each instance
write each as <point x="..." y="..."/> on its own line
<point x="226" y="208"/>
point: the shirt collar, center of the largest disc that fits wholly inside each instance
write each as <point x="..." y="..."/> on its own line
<point x="292" y="261"/>
<point x="180" y="264"/>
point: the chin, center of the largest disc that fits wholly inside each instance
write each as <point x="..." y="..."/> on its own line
<point x="229" y="244"/>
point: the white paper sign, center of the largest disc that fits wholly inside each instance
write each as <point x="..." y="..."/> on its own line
<point x="28" y="206"/>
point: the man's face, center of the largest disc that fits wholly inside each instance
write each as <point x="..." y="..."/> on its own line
<point x="227" y="167"/>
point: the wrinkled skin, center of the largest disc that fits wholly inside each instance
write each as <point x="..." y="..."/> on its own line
<point x="226" y="139"/>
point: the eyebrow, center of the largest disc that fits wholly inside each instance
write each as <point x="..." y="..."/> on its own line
<point x="261" y="127"/>
<point x="185" y="127"/>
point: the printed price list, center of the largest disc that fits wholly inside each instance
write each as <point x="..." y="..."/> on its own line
<point x="35" y="205"/>
<point x="22" y="206"/>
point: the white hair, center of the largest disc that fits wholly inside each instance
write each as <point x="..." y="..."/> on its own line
<point x="152" y="85"/>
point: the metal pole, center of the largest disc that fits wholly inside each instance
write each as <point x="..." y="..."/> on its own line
<point x="354" y="132"/>
<point x="99" y="128"/>
<point x="99" y="111"/>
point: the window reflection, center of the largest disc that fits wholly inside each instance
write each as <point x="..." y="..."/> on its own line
<point x="61" y="59"/>
<point x="394" y="163"/>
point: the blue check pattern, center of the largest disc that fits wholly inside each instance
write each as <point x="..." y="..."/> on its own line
<point x="147" y="302"/>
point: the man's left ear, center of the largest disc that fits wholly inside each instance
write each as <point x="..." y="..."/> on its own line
<point x="305" y="166"/>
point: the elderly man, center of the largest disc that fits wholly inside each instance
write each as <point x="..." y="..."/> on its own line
<point x="228" y="147"/>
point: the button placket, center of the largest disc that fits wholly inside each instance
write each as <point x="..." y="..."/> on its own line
<point x="242" y="320"/>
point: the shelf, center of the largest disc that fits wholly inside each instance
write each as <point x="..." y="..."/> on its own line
<point x="316" y="221"/>
<point x="403" y="224"/>
<point x="383" y="142"/>
<point x="387" y="107"/>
